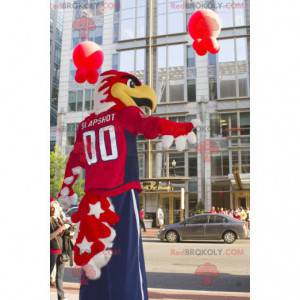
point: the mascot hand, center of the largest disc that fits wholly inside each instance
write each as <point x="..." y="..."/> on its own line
<point x="181" y="141"/>
<point x="67" y="197"/>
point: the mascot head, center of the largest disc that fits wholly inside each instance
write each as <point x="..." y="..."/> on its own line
<point x="120" y="89"/>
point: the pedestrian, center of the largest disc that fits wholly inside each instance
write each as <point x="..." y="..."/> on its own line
<point x="213" y="210"/>
<point x="243" y="214"/>
<point x="222" y="211"/>
<point x="58" y="213"/>
<point x="57" y="228"/>
<point x="142" y="216"/>
<point x="160" y="217"/>
<point x="236" y="214"/>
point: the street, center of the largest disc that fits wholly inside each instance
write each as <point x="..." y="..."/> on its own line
<point x="198" y="266"/>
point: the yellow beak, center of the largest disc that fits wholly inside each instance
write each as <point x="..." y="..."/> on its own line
<point x="141" y="95"/>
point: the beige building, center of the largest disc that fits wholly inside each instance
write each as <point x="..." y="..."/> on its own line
<point x="149" y="38"/>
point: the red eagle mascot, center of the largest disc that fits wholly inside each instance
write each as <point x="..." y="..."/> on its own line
<point x="108" y="241"/>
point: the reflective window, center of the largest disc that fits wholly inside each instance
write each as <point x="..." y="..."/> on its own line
<point x="191" y="90"/>
<point x="245" y="161"/>
<point x="175" y="81"/>
<point x="233" y="68"/>
<point x="217" y="219"/>
<point x="231" y="12"/>
<point x="192" y="164"/>
<point x="72" y="101"/>
<point x="176" y="164"/>
<point x="198" y="220"/>
<point x="245" y="123"/>
<point x="133" y="61"/>
<point x="191" y="60"/>
<point x="115" y="61"/>
<point x="71" y="133"/>
<point x="132" y="19"/>
<point x="170" y="16"/>
<point x="220" y="163"/>
<point x="77" y="101"/>
<point x="88" y="99"/>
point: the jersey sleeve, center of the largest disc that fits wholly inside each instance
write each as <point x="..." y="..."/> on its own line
<point x="136" y="122"/>
<point x="74" y="166"/>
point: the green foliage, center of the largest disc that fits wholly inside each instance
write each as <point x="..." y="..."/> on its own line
<point x="79" y="187"/>
<point x="57" y="169"/>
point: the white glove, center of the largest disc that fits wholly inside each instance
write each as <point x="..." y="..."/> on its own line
<point x="181" y="141"/>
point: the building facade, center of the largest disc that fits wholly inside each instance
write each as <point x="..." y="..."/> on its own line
<point x="149" y="39"/>
<point x="56" y="29"/>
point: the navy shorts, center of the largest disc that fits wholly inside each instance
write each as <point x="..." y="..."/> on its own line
<point x="124" y="277"/>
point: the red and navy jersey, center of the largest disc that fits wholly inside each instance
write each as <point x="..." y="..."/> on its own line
<point x="106" y="149"/>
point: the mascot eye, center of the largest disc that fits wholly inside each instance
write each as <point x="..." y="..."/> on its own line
<point x="130" y="83"/>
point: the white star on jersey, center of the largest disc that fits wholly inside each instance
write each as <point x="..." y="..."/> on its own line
<point x="85" y="246"/>
<point x="95" y="210"/>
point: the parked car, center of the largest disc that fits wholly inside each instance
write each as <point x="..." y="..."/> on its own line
<point x="205" y="227"/>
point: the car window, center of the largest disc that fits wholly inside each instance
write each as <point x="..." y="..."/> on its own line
<point x="217" y="219"/>
<point x="198" y="220"/>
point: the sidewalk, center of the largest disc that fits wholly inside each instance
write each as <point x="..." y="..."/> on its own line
<point x="72" y="292"/>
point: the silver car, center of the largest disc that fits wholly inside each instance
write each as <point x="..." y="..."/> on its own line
<point x="205" y="227"/>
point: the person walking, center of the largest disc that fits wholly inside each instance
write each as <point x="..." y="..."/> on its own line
<point x="213" y="210"/>
<point x="236" y="214"/>
<point x="160" y="217"/>
<point x="57" y="229"/>
<point x="142" y="216"/>
<point x="222" y="211"/>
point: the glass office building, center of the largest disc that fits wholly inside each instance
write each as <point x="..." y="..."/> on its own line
<point x="149" y="39"/>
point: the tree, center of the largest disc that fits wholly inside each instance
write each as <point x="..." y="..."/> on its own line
<point x="57" y="170"/>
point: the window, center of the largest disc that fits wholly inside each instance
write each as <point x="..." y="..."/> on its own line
<point x="245" y="161"/>
<point x="230" y="125"/>
<point x="198" y="220"/>
<point x="217" y="219"/>
<point x="75" y="38"/>
<point x="133" y="61"/>
<point x="116" y="31"/>
<point x="192" y="164"/>
<point x="75" y="100"/>
<point x="98" y="35"/>
<point x="175" y="82"/>
<point x="220" y="163"/>
<point x="56" y="73"/>
<point x="57" y="54"/>
<point x="191" y="60"/>
<point x="71" y="133"/>
<point x="245" y="123"/>
<point x="170" y="16"/>
<point x="72" y="101"/>
<point x="235" y="160"/>
<point x="176" y="164"/>
<point x="241" y="160"/>
<point x="233" y="68"/>
<point x="191" y="90"/>
<point x="72" y="71"/>
<point x="115" y="61"/>
<point x="132" y="19"/>
<point x="88" y="99"/>
<point x="231" y="12"/>
<point x="212" y="76"/>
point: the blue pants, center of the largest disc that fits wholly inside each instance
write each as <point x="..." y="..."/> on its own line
<point x="124" y="277"/>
